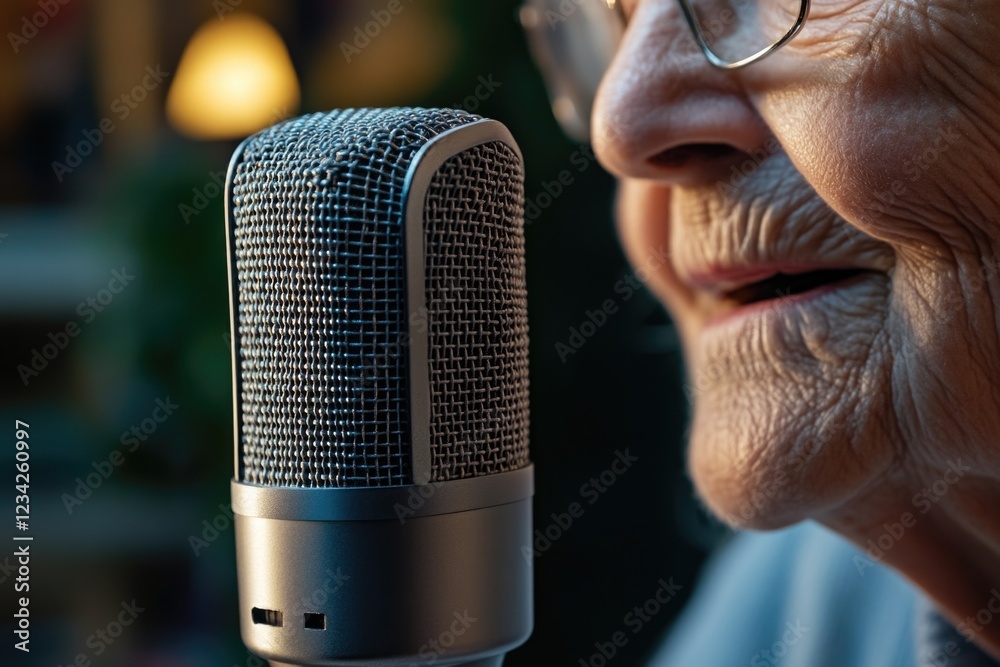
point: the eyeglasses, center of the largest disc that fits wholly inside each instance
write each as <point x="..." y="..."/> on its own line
<point x="574" y="41"/>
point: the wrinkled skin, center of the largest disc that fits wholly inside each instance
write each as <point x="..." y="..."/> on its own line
<point x="841" y="408"/>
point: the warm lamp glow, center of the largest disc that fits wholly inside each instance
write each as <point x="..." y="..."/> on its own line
<point x="234" y="78"/>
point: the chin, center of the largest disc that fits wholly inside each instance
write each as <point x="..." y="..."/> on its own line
<point x="756" y="478"/>
<point x="787" y="425"/>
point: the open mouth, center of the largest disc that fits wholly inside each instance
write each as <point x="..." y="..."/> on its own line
<point x="784" y="285"/>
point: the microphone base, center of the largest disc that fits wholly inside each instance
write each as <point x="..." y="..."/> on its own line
<point x="445" y="589"/>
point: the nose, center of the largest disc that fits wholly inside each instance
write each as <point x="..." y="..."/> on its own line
<point x="664" y="112"/>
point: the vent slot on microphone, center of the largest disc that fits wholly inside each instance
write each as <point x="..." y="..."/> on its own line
<point x="314" y="621"/>
<point x="265" y="617"/>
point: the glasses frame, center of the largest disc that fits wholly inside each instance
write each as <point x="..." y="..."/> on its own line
<point x="715" y="60"/>
<point x="577" y="127"/>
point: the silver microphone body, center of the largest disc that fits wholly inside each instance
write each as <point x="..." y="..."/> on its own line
<point x="382" y="494"/>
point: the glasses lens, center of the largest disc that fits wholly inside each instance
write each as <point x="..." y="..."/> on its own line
<point x="739" y="30"/>
<point x="573" y="42"/>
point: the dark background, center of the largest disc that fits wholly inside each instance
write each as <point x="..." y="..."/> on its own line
<point x="166" y="334"/>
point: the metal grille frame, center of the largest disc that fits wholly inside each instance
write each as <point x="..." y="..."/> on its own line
<point x="436" y="458"/>
<point x="451" y="133"/>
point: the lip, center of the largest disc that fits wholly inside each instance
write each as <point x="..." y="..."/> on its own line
<point x="720" y="280"/>
<point x="784" y="304"/>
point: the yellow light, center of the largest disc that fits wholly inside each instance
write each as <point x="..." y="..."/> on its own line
<point x="234" y="78"/>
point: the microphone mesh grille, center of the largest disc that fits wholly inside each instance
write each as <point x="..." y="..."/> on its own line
<point x="478" y="316"/>
<point x="319" y="257"/>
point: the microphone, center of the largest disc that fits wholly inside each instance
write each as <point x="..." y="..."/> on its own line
<point x="382" y="490"/>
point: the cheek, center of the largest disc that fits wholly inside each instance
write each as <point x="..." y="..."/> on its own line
<point x="643" y="213"/>
<point x="883" y="133"/>
<point x="871" y="161"/>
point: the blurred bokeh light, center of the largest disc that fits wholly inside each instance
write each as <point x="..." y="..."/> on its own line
<point x="234" y="78"/>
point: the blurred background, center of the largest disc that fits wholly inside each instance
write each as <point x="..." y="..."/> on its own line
<point x="117" y="120"/>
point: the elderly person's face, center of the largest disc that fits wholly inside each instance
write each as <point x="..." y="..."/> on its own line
<point x="832" y="215"/>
